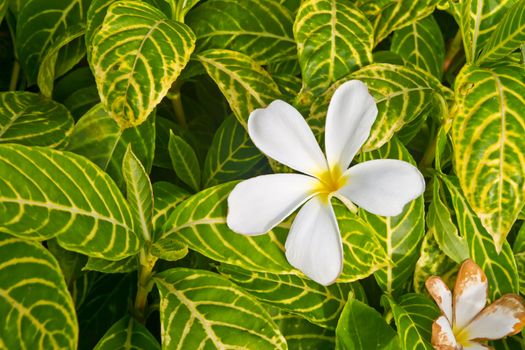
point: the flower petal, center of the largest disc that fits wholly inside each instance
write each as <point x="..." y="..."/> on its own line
<point x="383" y="186"/>
<point x="442" y="335"/>
<point x="441" y="294"/>
<point x="470" y="293"/>
<point x="281" y="133"/>
<point x="505" y="316"/>
<point x="350" y="116"/>
<point x="314" y="243"/>
<point x="256" y="205"/>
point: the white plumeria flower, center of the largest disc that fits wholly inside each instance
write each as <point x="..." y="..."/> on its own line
<point x="465" y="320"/>
<point x="382" y="187"/>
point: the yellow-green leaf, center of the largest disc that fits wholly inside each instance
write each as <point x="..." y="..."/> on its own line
<point x="137" y="55"/>
<point x="36" y="307"/>
<point x="244" y="83"/>
<point x="333" y="39"/>
<point x="489" y="148"/>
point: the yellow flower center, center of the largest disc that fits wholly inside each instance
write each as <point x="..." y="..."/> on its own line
<point x="461" y="336"/>
<point x="330" y="181"/>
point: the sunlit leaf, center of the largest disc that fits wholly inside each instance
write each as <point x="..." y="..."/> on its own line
<point x="137" y="55"/>
<point x="489" y="149"/>
<point x="36" y="307"/>
<point x="421" y="43"/>
<point x="201" y="309"/>
<point x="244" y="83"/>
<point x="333" y="39"/>
<point x="46" y="193"/>
<point x="318" y="304"/>
<point x="260" y="29"/>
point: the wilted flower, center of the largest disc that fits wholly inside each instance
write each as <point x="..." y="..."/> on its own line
<point x="382" y="187"/>
<point x="466" y="321"/>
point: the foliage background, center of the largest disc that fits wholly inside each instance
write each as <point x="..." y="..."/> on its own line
<point x="122" y="131"/>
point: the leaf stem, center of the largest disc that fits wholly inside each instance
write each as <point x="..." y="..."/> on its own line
<point x="145" y="284"/>
<point x="176" y="102"/>
<point x="14" y="76"/>
<point x="454" y="47"/>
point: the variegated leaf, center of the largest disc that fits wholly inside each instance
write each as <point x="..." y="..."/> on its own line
<point x="30" y="119"/>
<point x="477" y="20"/>
<point x="36" y="307"/>
<point x="137" y="55"/>
<point x="508" y="35"/>
<point x="200" y="309"/>
<point x="46" y="193"/>
<point x="489" y="149"/>
<point x="260" y="29"/>
<point x="500" y="267"/>
<point x="126" y="334"/>
<point x="318" y="304"/>
<point x="99" y="138"/>
<point x="231" y="155"/>
<point x="333" y="39"/>
<point x="244" y="83"/>
<point x="414" y="314"/>
<point x="421" y="43"/>
<point x="398" y="14"/>
<point x="184" y="162"/>
<point x="40" y="24"/>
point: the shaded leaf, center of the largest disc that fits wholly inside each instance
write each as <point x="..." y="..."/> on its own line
<point x="127" y="334"/>
<point x="30" y="119"/>
<point x="185" y="162"/>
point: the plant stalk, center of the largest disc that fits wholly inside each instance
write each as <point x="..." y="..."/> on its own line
<point x="14" y="76"/>
<point x="145" y="284"/>
<point x="454" y="48"/>
<point x="176" y="102"/>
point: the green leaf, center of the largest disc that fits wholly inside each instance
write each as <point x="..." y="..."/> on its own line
<point x="508" y="35"/>
<point x="139" y="194"/>
<point x="47" y="72"/>
<point x="128" y="264"/>
<point x="445" y="232"/>
<point x="318" y="304"/>
<point x="301" y="334"/>
<point x="500" y="268"/>
<point x="260" y="29"/>
<point x="432" y="262"/>
<point x="108" y="297"/>
<point x="399" y="235"/>
<point x="491" y="169"/>
<point x="185" y="162"/>
<point x="333" y="39"/>
<point x="71" y="263"/>
<point x="98" y="137"/>
<point x="127" y="334"/>
<point x="398" y="14"/>
<point x="201" y="309"/>
<point x="167" y="198"/>
<point x="4" y="6"/>
<point x="137" y="55"/>
<point x="401" y="94"/>
<point x="477" y="21"/>
<point x="519" y="255"/>
<point x="36" y="307"/>
<point x="30" y="119"/>
<point x="231" y="155"/>
<point x="46" y="193"/>
<point x="244" y="83"/>
<point x="180" y="8"/>
<point x="361" y="327"/>
<point x="421" y="43"/>
<point x="414" y="314"/>
<point x="40" y="25"/>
